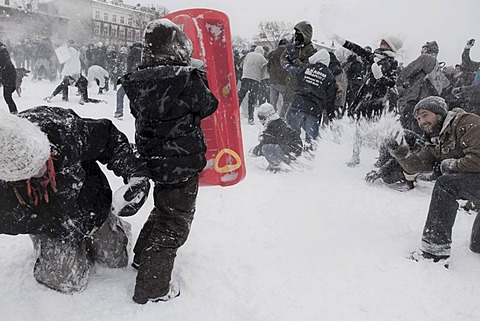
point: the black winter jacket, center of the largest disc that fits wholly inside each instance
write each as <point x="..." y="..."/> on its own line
<point x="168" y="103"/>
<point x="315" y="91"/>
<point x="83" y="198"/>
<point x="8" y="73"/>
<point x="279" y="133"/>
<point x="372" y="95"/>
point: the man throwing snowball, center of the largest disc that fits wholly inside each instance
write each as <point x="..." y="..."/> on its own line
<point x="454" y="147"/>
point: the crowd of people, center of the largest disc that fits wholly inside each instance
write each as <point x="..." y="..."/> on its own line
<point x="436" y="110"/>
<point x="53" y="189"/>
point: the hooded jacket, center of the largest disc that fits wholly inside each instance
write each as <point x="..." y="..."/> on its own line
<point x="254" y="64"/>
<point x="279" y="133"/>
<point x="316" y="87"/>
<point x="83" y="198"/>
<point x="168" y="99"/>
<point x="458" y="139"/>
<point x="371" y="97"/>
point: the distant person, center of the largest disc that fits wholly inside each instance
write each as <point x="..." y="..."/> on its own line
<point x="8" y="77"/>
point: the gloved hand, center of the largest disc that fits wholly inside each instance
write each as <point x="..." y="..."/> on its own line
<point x="456" y="92"/>
<point x="340" y="40"/>
<point x="377" y="71"/>
<point x="446" y="166"/>
<point x="292" y="70"/>
<point x="292" y="53"/>
<point x="128" y="199"/>
<point x="469" y="43"/>
<point x="48" y="99"/>
<point x="372" y="176"/>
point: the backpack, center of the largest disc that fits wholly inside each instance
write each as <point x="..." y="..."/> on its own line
<point x="437" y="78"/>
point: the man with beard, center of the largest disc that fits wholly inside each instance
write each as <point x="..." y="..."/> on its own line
<point x="454" y="146"/>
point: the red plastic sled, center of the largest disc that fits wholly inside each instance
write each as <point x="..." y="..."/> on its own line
<point x="209" y="31"/>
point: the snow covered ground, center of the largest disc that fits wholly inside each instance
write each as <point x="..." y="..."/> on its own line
<point x="314" y="244"/>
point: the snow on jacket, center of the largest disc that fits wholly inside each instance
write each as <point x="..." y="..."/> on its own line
<point x="254" y="64"/>
<point x="279" y="133"/>
<point x="168" y="103"/>
<point x="374" y="91"/>
<point x="459" y="139"/>
<point x="316" y="87"/>
<point x="83" y="198"/>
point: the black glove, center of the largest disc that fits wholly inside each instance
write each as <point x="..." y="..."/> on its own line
<point x="292" y="53"/>
<point x="372" y="176"/>
<point x="129" y="198"/>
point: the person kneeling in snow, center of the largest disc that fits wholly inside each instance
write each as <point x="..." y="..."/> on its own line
<point x="279" y="143"/>
<point x="453" y="142"/>
<point x="78" y="81"/>
<point x="53" y="189"/>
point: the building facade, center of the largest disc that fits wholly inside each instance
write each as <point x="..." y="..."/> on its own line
<point x="115" y="22"/>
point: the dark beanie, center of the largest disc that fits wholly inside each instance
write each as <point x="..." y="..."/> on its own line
<point x="434" y="104"/>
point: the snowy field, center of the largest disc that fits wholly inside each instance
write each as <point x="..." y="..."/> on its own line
<point x="318" y="243"/>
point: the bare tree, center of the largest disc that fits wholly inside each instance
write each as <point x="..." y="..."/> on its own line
<point x="239" y="43"/>
<point x="273" y="31"/>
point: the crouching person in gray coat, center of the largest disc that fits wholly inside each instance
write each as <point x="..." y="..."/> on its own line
<point x="53" y="189"/>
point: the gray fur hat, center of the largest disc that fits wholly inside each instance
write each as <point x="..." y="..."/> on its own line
<point x="434" y="104"/>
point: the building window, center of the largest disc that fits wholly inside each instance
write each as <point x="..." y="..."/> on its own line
<point x="114" y="18"/>
<point x="97" y="29"/>
<point x="122" y="20"/>
<point x="113" y="32"/>
<point x="97" y="14"/>
<point x="130" y="34"/>
<point x="105" y="16"/>
<point x="137" y="35"/>
<point x="121" y="33"/>
<point x="129" y="21"/>
<point x="106" y="30"/>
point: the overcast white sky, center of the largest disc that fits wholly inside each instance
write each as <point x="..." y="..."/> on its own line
<point x="449" y="22"/>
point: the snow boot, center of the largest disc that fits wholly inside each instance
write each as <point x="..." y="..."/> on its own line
<point x="421" y="256"/>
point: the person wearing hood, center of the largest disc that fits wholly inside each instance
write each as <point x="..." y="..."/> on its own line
<point x="371" y="99"/>
<point x="315" y="93"/>
<point x="294" y="57"/>
<point x="53" y="189"/>
<point x="454" y="147"/>
<point x="414" y="84"/>
<point x="253" y="68"/>
<point x="278" y="143"/>
<point x="381" y="75"/>
<point x="78" y="81"/>
<point x="8" y="77"/>
<point x="168" y="99"/>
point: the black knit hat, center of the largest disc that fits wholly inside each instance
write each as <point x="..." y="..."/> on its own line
<point x="434" y="104"/>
